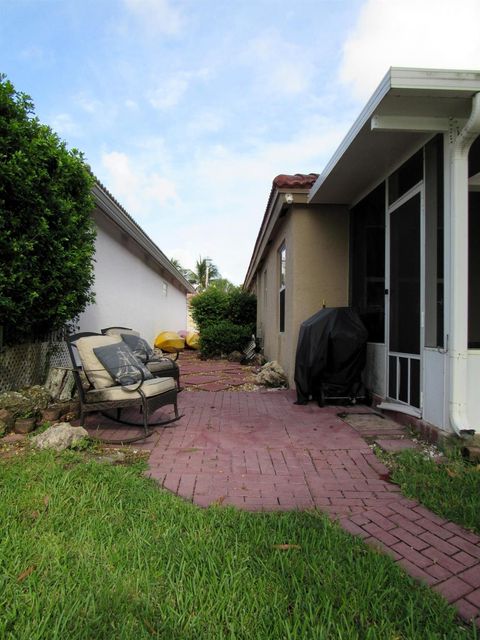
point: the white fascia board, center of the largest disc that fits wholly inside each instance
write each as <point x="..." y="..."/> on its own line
<point x="410" y="123"/>
<point x="435" y="79"/>
<point x="364" y="116"/>
<point x="120" y="217"/>
<point x="458" y="82"/>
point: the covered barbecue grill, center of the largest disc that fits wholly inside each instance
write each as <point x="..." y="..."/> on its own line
<point x="331" y="355"/>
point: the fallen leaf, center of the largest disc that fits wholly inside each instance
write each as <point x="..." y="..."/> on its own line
<point x="284" y="547"/>
<point x="46" y="500"/>
<point x="34" y="515"/>
<point x="452" y="474"/>
<point x="220" y="500"/>
<point x="26" y="573"/>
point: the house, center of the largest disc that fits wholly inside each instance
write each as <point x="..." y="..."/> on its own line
<point x="392" y="228"/>
<point x="135" y="283"/>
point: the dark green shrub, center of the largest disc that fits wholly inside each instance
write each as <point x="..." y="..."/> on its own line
<point x="241" y="307"/>
<point x="46" y="232"/>
<point x="223" y="337"/>
<point x="209" y="307"/>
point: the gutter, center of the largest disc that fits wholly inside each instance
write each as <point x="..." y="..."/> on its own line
<point x="458" y="351"/>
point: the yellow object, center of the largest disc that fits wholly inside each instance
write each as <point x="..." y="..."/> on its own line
<point x="169" y="341"/>
<point x="193" y="340"/>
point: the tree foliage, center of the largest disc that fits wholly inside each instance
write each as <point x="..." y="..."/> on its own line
<point x="46" y="232"/>
<point x="226" y="319"/>
<point x="205" y="273"/>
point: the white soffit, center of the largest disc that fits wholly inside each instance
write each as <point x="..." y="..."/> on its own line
<point x="419" y="96"/>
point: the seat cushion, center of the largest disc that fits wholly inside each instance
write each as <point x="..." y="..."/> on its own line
<point x="150" y="388"/>
<point x="94" y="369"/>
<point x="122" y="364"/>
<point x="161" y="365"/>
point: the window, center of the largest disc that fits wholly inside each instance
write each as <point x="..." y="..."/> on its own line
<point x="265" y="290"/>
<point x="367" y="262"/>
<point x="282" y="272"/>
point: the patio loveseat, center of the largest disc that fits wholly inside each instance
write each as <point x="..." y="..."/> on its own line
<point x="108" y="377"/>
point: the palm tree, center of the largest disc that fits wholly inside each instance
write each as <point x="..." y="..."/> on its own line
<point x="204" y="273"/>
<point x="186" y="273"/>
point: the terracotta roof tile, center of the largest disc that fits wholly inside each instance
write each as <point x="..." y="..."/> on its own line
<point x="284" y="181"/>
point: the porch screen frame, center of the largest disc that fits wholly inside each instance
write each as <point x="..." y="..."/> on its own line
<point x="418" y="189"/>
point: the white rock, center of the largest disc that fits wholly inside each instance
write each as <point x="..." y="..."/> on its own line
<point x="59" y="437"/>
<point x="272" y="375"/>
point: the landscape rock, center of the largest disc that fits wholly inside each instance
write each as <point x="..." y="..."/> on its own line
<point x="38" y="396"/>
<point x="14" y="401"/>
<point x="59" y="437"/>
<point x="7" y="420"/>
<point x="272" y="375"/>
<point x="115" y="457"/>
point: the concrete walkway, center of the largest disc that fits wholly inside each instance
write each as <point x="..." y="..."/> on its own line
<point x="260" y="452"/>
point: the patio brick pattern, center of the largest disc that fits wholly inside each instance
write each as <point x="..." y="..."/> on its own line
<point x="260" y="452"/>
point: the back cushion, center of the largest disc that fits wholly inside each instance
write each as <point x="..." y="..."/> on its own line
<point x="94" y="369"/>
<point x="140" y="347"/>
<point x="116" y="331"/>
<point x="121" y="363"/>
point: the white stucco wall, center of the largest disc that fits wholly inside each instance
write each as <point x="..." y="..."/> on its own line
<point x="129" y="290"/>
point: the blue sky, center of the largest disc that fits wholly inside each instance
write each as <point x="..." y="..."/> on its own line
<point x="186" y="110"/>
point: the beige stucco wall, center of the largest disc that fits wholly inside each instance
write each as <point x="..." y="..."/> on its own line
<point x="316" y="238"/>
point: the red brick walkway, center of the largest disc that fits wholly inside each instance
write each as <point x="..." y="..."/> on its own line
<point x="259" y="451"/>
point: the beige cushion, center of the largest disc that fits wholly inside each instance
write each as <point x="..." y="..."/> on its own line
<point x="94" y="369"/>
<point x="116" y="331"/>
<point x="150" y="388"/>
<point x="160" y="365"/>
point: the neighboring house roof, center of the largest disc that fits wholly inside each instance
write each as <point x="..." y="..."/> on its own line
<point x="408" y="107"/>
<point x="283" y="183"/>
<point x="114" y="211"/>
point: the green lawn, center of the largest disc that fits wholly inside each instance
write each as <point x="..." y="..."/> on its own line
<point x="450" y="489"/>
<point x="94" y="551"/>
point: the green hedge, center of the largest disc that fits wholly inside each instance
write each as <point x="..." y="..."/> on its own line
<point x="226" y="320"/>
<point x="223" y="337"/>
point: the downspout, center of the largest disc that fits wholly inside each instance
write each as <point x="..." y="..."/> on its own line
<point x="458" y="347"/>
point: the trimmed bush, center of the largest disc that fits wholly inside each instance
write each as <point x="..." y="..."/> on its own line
<point x="223" y="337"/>
<point x="209" y="307"/>
<point x="47" y="237"/>
<point x="226" y="320"/>
<point x="241" y="308"/>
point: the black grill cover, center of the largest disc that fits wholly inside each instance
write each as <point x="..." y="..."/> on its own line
<point x="331" y="354"/>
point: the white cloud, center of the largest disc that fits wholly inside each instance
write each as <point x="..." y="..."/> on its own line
<point x="170" y="91"/>
<point x="139" y="189"/>
<point x="156" y="16"/>
<point x="410" y="33"/>
<point x="87" y="103"/>
<point x="280" y="66"/>
<point x="65" y="125"/>
<point x="206" y="122"/>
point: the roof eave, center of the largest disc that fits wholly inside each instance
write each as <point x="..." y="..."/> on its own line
<point x="119" y="216"/>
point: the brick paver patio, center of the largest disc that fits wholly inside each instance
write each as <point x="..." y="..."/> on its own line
<point x="260" y="452"/>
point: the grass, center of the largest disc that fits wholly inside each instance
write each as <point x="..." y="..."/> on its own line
<point x="97" y="551"/>
<point x="450" y="489"/>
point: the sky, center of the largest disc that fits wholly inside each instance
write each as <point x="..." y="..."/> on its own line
<point x="187" y="109"/>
